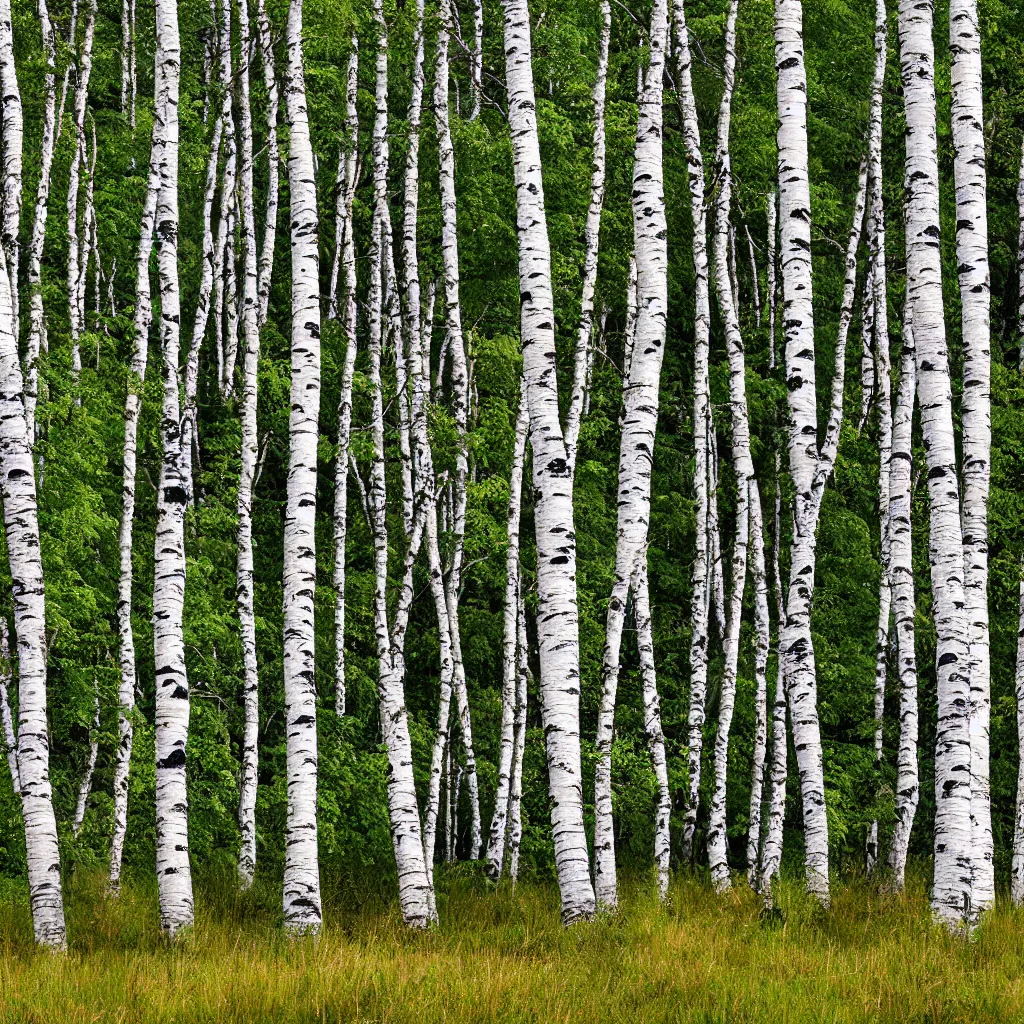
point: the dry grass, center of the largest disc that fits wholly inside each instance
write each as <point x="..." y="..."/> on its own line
<point x="502" y="956"/>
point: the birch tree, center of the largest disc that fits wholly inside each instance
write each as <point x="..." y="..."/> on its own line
<point x="558" y="619"/>
<point x="302" y="910"/>
<point x="173" y="870"/>
<point x="636" y="449"/>
<point x="10" y="739"/>
<point x="968" y="119"/>
<point x="11" y="142"/>
<point x="245" y="575"/>
<point x="951" y="889"/>
<point x="700" y="602"/>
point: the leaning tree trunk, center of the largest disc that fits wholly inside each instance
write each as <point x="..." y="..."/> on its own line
<point x="36" y="343"/>
<point x="968" y="119"/>
<point x="85" y="787"/>
<point x="743" y="464"/>
<point x="495" y="854"/>
<point x="700" y="608"/>
<point x="951" y="889"/>
<point x="558" y="618"/>
<point x="245" y="575"/>
<point x="796" y="644"/>
<point x="302" y="911"/>
<point x="640" y="423"/>
<point x="592" y="236"/>
<point x="11" y="139"/>
<point x="901" y="573"/>
<point x="414" y="886"/>
<point x="174" y="876"/>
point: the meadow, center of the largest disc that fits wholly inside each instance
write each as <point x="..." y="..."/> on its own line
<point x="502" y="955"/>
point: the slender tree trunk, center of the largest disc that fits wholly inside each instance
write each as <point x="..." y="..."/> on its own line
<point x="302" y="911"/>
<point x="968" y="120"/>
<point x="85" y="788"/>
<point x="558" y="618"/>
<point x="592" y="237"/>
<point x="773" y="227"/>
<point x="499" y="822"/>
<point x="700" y="607"/>
<point x="901" y="574"/>
<point x="951" y="890"/>
<point x="174" y="875"/>
<point x="12" y="137"/>
<point x="1017" y="861"/>
<point x="640" y="422"/>
<point x="348" y="259"/>
<point x="414" y="887"/>
<point x="266" y="264"/>
<point x="515" y="797"/>
<point x="245" y="575"/>
<point x="653" y="728"/>
<point x="10" y="739"/>
<point x="796" y="644"/>
<point x="743" y="465"/>
<point x="878" y="286"/>
<point x="36" y="343"/>
<point x="133" y="406"/>
<point x="1020" y="260"/>
<point x="762" y="645"/>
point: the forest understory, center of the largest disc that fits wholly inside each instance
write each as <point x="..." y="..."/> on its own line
<point x="503" y="955"/>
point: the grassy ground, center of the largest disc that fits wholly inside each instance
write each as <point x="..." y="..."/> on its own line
<point x="502" y="956"/>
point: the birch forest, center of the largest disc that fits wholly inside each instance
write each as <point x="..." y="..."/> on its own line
<point x="566" y="444"/>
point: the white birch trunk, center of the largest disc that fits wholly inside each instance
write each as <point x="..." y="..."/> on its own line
<point x="700" y="606"/>
<point x="36" y="343"/>
<point x="515" y="796"/>
<point x="796" y="645"/>
<point x="85" y="787"/>
<point x="640" y="423"/>
<point x="951" y="890"/>
<point x="762" y="645"/>
<point x="476" y="59"/>
<point x="414" y="887"/>
<point x="302" y="910"/>
<point x="901" y="574"/>
<point x="743" y="465"/>
<point x="592" y="237"/>
<point x="133" y="406"/>
<point x="653" y="728"/>
<point x="1017" y="861"/>
<point x="968" y="120"/>
<point x="12" y="138"/>
<point x="509" y="678"/>
<point x="245" y="574"/>
<point x="1020" y="260"/>
<point x="266" y="264"/>
<point x="773" y="227"/>
<point x="174" y="877"/>
<point x="558" y="618"/>
<point x="348" y="259"/>
<point x="10" y="738"/>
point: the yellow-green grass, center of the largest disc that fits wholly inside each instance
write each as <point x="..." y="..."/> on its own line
<point x="500" y="955"/>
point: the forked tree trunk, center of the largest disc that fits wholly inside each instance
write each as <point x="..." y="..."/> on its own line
<point x="302" y="910"/>
<point x="951" y="889"/>
<point x="558" y="618"/>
